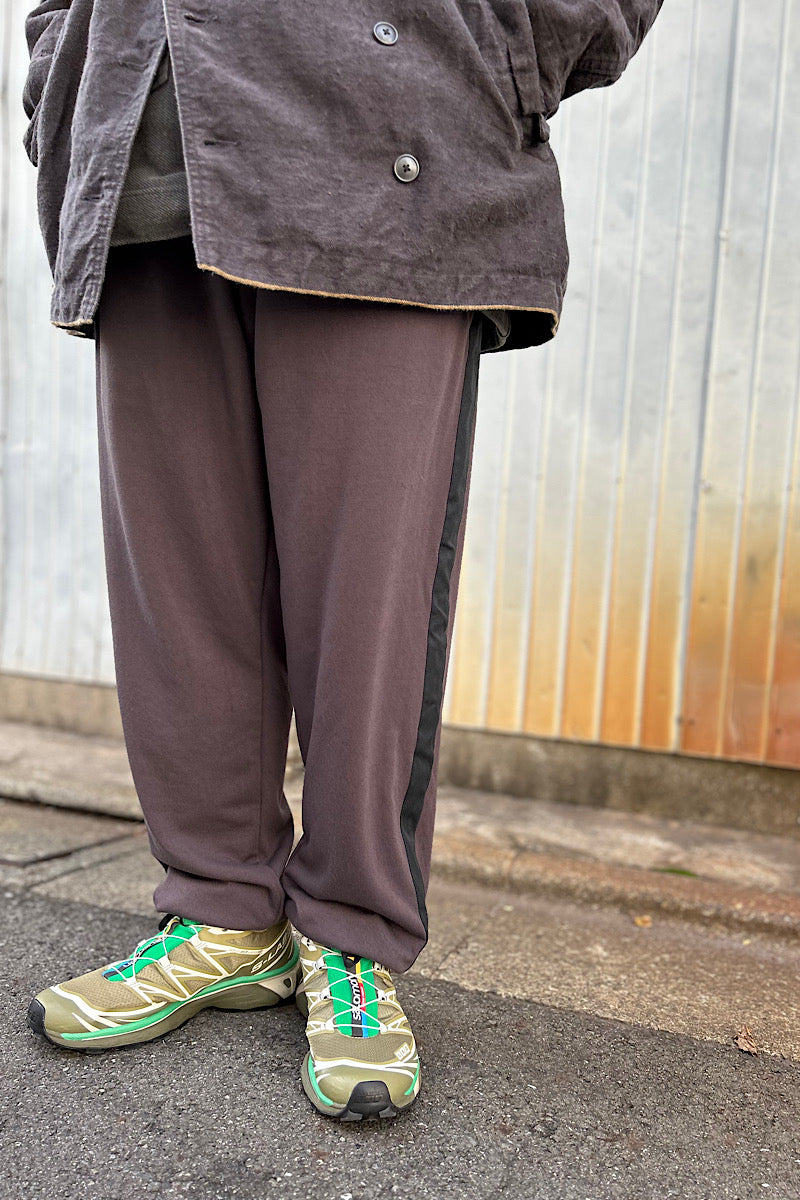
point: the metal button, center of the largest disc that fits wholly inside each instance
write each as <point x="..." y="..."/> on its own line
<point x="406" y="167"/>
<point x="385" y="33"/>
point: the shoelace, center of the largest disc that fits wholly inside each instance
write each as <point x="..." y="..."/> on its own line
<point x="165" y="927"/>
<point x="326" y="992"/>
<point x="372" y="968"/>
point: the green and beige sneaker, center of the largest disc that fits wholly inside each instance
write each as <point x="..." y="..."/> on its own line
<point x="169" y="977"/>
<point x="363" y="1059"/>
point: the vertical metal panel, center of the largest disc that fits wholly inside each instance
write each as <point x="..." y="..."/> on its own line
<point x="783" y="730"/>
<point x="701" y="43"/>
<point x="751" y="408"/>
<point x="54" y="616"/>
<point x="632" y="562"/>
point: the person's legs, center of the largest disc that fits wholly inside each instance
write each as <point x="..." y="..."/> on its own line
<point x="193" y="582"/>
<point x="369" y="415"/>
<point x="284" y="481"/>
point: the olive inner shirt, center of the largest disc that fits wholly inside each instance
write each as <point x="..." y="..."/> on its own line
<point x="154" y="203"/>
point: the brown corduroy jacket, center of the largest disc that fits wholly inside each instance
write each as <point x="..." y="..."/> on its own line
<point x="386" y="149"/>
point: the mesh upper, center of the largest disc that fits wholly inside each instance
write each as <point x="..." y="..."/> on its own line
<point x="115" y="994"/>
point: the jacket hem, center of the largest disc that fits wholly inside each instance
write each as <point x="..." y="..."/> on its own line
<point x="282" y="287"/>
<point x="83" y="324"/>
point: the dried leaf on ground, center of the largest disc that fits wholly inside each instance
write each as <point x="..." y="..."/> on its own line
<point x="745" y="1041"/>
<point x="644" y="922"/>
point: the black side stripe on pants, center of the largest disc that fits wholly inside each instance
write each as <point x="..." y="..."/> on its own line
<point x="433" y="686"/>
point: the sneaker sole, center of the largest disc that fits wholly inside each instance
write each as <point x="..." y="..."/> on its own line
<point x="238" y="998"/>
<point x="369" y="1099"/>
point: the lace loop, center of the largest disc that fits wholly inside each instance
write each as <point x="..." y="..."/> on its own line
<point x="165" y="928"/>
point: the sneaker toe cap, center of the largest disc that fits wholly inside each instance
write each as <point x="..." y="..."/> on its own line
<point x="337" y="1081"/>
<point x="52" y="1013"/>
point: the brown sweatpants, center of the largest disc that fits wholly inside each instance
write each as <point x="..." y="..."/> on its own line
<point x="284" y="482"/>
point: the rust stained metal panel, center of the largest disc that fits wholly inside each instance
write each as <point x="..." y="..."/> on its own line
<point x="705" y="70"/>
<point x="750" y="413"/>
<point x="649" y="516"/>
<point x="597" y="445"/>
<point x="783" y="723"/>
<point x="768" y="472"/>
<point x="643" y="629"/>
<point x="559" y="456"/>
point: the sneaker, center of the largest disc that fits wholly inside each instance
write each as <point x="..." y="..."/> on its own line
<point x="169" y="977"/>
<point x="363" y="1059"/>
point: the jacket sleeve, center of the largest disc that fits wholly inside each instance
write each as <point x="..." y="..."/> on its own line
<point x="42" y="28"/>
<point x="586" y="43"/>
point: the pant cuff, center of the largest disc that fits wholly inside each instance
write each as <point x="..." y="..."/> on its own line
<point x="355" y="931"/>
<point x="213" y="902"/>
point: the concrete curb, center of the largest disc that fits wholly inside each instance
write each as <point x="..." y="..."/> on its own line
<point x="739" y="881"/>
<point x="470" y="858"/>
<point x="629" y="889"/>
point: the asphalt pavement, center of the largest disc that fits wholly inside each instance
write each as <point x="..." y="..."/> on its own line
<point x="519" y="1099"/>
<point x="578" y="1008"/>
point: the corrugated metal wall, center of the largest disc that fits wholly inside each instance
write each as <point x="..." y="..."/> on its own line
<point x="632" y="564"/>
<point x="633" y="571"/>
<point x="53" y="605"/>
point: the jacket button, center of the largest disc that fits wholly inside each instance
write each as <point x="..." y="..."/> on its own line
<point x="385" y="33"/>
<point x="406" y="167"/>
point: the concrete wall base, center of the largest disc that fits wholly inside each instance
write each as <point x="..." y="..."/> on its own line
<point x="90" y="708"/>
<point x="715" y="791"/>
